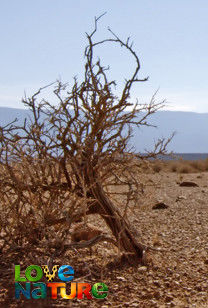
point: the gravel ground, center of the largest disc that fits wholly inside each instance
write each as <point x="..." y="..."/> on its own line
<point x="176" y="274"/>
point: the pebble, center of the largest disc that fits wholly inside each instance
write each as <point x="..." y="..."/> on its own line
<point x="142" y="269"/>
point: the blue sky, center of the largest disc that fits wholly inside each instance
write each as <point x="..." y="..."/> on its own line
<point x="42" y="41"/>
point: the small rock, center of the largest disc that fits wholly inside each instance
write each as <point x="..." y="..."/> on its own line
<point x="188" y="184"/>
<point x="160" y="206"/>
<point x="121" y="278"/>
<point x="179" y="198"/>
<point x="142" y="269"/>
<point x="198" y="288"/>
<point x="157" y="283"/>
<point x="157" y="294"/>
<point x="168" y="298"/>
<point x="177" y="276"/>
<point x="135" y="304"/>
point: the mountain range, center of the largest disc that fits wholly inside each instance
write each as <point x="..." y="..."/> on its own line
<point x="191" y="130"/>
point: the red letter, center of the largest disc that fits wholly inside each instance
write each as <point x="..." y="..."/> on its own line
<point x="85" y="291"/>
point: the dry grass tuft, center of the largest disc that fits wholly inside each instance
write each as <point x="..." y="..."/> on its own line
<point x="179" y="166"/>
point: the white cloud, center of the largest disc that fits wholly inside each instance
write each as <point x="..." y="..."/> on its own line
<point x="195" y="101"/>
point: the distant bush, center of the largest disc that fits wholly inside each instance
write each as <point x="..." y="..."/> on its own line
<point x="185" y="169"/>
<point x="180" y="166"/>
<point x="198" y="165"/>
<point x="157" y="167"/>
<point x="174" y="168"/>
<point x="206" y="164"/>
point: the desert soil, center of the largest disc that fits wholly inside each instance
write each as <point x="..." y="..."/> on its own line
<point x="176" y="274"/>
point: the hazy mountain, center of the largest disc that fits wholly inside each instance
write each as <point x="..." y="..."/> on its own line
<point x="9" y="114"/>
<point x="191" y="129"/>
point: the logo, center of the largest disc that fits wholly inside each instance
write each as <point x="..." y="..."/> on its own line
<point x="29" y="285"/>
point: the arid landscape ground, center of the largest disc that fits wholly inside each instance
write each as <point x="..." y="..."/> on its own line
<point x="176" y="273"/>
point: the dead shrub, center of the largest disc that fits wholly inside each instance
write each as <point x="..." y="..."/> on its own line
<point x="61" y="163"/>
<point x="198" y="165"/>
<point x="157" y="167"/>
<point x="206" y="164"/>
<point x="174" y="168"/>
<point x="185" y="169"/>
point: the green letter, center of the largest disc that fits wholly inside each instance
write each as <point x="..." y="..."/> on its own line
<point x="102" y="288"/>
<point x="17" y="274"/>
<point x="39" y="273"/>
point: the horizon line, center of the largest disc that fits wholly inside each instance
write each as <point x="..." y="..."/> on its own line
<point x="164" y="110"/>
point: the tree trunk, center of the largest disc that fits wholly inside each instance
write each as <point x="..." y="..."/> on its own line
<point x="106" y="209"/>
<point x="117" y="224"/>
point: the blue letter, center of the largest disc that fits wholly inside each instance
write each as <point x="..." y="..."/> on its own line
<point x="69" y="271"/>
<point x="41" y="288"/>
<point x="19" y="289"/>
